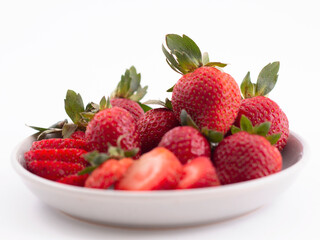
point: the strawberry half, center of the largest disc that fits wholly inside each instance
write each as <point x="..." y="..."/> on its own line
<point x="74" y="180"/>
<point x="71" y="155"/>
<point x="58" y="143"/>
<point x="158" y="169"/>
<point x="53" y="170"/>
<point x="198" y="173"/>
<point x="108" y="173"/>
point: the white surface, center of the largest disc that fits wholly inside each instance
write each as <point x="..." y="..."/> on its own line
<point x="164" y="208"/>
<point x="47" y="47"/>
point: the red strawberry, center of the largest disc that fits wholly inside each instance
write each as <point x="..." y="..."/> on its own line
<point x="198" y="173"/>
<point x="108" y="125"/>
<point x="108" y="173"/>
<point x="53" y="170"/>
<point x="131" y="106"/>
<point x="153" y="125"/>
<point x="71" y="155"/>
<point x="129" y="92"/>
<point x="80" y="135"/>
<point x="58" y="143"/>
<point x="186" y="143"/>
<point x="259" y="108"/>
<point x="210" y="96"/>
<point x="158" y="169"/>
<point x="245" y="156"/>
<point x="75" y="180"/>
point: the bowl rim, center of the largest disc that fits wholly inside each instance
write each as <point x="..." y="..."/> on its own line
<point x="24" y="173"/>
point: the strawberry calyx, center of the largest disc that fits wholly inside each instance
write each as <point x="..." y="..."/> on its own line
<point x="96" y="158"/>
<point x="260" y="129"/>
<point x="129" y="86"/>
<point x="184" y="56"/>
<point x="266" y="81"/>
<point x="211" y="135"/>
<point x="167" y="103"/>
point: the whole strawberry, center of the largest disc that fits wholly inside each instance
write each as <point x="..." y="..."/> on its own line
<point x="244" y="156"/>
<point x="129" y="92"/>
<point x="209" y="95"/>
<point x="186" y="143"/>
<point x="259" y="108"/>
<point x="153" y="125"/>
<point x="108" y="125"/>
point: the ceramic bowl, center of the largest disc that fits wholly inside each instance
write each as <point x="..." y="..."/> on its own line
<point x="168" y="208"/>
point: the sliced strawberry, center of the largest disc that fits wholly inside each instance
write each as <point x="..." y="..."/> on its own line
<point x="57" y="143"/>
<point x="53" y="170"/>
<point x="75" y="180"/>
<point x="158" y="169"/>
<point x="108" y="173"/>
<point x="71" y="155"/>
<point x="198" y="173"/>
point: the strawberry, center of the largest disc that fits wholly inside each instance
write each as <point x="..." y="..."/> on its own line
<point x="71" y="155"/>
<point x="58" y="143"/>
<point x="75" y="180"/>
<point x="259" y="108"/>
<point x="108" y="173"/>
<point x="198" y="173"/>
<point x="209" y="95"/>
<point x="153" y="125"/>
<point x="158" y="169"/>
<point x="108" y="125"/>
<point x="80" y="135"/>
<point x="245" y="155"/>
<point x="53" y="170"/>
<point x="129" y="92"/>
<point x="186" y="143"/>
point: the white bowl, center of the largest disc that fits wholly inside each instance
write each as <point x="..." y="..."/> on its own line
<point x="163" y="208"/>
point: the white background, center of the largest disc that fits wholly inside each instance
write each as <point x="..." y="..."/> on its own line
<point x="47" y="47"/>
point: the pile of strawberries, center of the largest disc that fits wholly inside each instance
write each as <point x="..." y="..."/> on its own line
<point x="206" y="135"/>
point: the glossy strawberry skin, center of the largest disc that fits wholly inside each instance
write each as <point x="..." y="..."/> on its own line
<point x="158" y="169"/>
<point x="53" y="170"/>
<point x="210" y="97"/>
<point x="108" y="173"/>
<point x="71" y="155"/>
<point x="243" y="156"/>
<point x="153" y="125"/>
<point x="58" y="143"/>
<point x="198" y="173"/>
<point x="261" y="109"/>
<point x="74" y="180"/>
<point x="131" y="106"/>
<point x="186" y="143"/>
<point x="108" y="125"/>
<point x="80" y="135"/>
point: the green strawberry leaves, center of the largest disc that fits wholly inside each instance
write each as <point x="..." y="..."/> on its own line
<point x="267" y="78"/>
<point x="129" y="86"/>
<point x="74" y="106"/>
<point x="166" y="104"/>
<point x="266" y="81"/>
<point x="211" y="135"/>
<point x="95" y="158"/>
<point x="184" y="56"/>
<point x="260" y="129"/>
